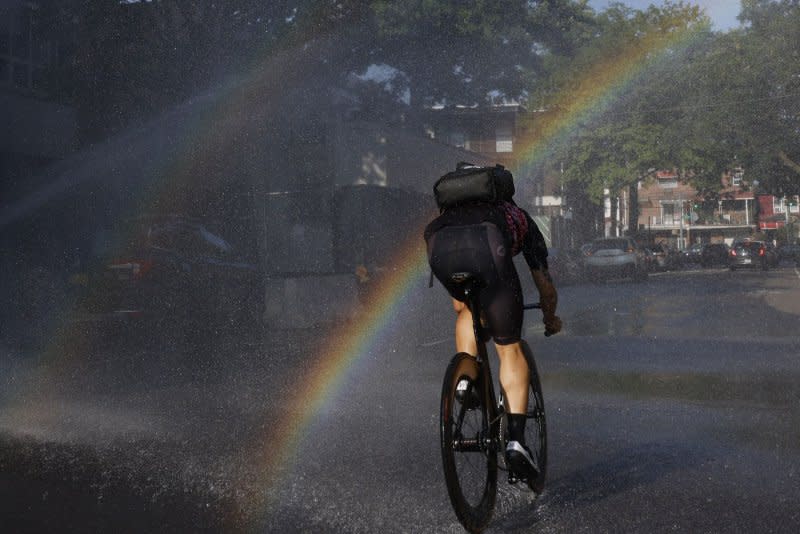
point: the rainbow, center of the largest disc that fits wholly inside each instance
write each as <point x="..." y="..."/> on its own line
<point x="339" y="354"/>
<point x="195" y="137"/>
<point x="595" y="92"/>
<point x="273" y="452"/>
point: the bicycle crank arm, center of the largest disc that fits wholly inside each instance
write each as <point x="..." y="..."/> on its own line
<point x="476" y="444"/>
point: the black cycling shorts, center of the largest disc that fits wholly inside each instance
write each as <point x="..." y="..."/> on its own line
<point x="481" y="249"/>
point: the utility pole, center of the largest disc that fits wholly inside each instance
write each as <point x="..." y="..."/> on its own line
<point x="680" y="235"/>
<point x="786" y="213"/>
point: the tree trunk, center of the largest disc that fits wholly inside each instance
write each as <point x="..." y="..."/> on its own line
<point x="633" y="209"/>
<point x="614" y="201"/>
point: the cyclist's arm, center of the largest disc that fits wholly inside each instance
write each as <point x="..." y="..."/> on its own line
<point x="548" y="299"/>
<point x="535" y="252"/>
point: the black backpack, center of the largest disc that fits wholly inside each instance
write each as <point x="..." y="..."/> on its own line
<point x="469" y="183"/>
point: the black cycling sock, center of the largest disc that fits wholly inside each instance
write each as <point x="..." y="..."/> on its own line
<point x="516" y="427"/>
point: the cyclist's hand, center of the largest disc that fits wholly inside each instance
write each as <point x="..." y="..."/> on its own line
<point x="552" y="327"/>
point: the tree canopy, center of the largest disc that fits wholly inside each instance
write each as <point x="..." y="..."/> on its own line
<point x="701" y="102"/>
<point x="713" y="102"/>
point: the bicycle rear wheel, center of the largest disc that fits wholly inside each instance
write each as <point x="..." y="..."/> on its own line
<point x="536" y="425"/>
<point x="469" y="448"/>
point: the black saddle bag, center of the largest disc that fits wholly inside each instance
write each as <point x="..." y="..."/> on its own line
<point x="474" y="184"/>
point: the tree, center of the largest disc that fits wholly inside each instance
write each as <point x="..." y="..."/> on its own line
<point x="742" y="99"/>
<point x="619" y="141"/>
<point x="461" y="52"/>
<point x="130" y="60"/>
<point x="133" y="59"/>
<point x="772" y="65"/>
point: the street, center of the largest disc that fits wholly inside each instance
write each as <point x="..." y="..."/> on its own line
<point x="672" y="405"/>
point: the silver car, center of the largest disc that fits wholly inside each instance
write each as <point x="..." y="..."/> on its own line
<point x="615" y="257"/>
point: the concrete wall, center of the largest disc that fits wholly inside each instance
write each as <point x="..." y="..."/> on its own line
<point x="378" y="193"/>
<point x="312" y="160"/>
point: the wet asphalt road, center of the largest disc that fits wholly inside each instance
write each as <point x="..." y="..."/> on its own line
<point x="673" y="405"/>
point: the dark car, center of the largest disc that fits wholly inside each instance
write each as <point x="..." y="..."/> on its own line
<point x="660" y="257"/>
<point x="615" y="257"/>
<point x="172" y="270"/>
<point x="755" y="254"/>
<point x="714" y="254"/>
<point x="691" y="254"/>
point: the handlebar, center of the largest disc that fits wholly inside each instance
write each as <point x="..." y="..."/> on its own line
<point x="536" y="306"/>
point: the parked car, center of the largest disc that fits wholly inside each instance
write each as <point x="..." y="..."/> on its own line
<point x="172" y="270"/>
<point x="615" y="257"/>
<point x="691" y="254"/>
<point x="756" y="254"/>
<point x="660" y="257"/>
<point x="714" y="254"/>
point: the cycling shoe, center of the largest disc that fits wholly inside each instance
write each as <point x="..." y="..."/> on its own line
<point x="467" y="394"/>
<point x="521" y="464"/>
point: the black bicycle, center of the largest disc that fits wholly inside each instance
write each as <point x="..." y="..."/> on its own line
<point x="474" y="426"/>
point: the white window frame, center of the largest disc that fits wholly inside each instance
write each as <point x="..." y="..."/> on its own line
<point x="737" y="176"/>
<point x="504" y="138"/>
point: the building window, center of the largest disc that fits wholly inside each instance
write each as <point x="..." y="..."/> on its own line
<point x="670" y="212"/>
<point x="666" y="179"/>
<point x="504" y="141"/>
<point x="736" y="177"/>
<point x="781" y="205"/>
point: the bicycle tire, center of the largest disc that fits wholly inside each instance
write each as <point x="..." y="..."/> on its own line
<point x="469" y="448"/>
<point x="536" y="426"/>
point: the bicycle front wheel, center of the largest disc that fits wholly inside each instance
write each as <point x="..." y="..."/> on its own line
<point x="536" y="425"/>
<point x="469" y="448"/>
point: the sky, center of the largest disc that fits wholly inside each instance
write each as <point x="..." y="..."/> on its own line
<point x="721" y="12"/>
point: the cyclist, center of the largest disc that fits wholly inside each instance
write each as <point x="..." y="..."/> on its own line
<point x="483" y="237"/>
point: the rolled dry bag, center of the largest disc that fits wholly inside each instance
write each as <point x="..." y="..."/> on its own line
<point x="471" y="184"/>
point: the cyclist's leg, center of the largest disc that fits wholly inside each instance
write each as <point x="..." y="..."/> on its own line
<point x="504" y="313"/>
<point x="466" y="344"/>
<point x="465" y="335"/>
<point x="453" y="249"/>
<point x="514" y="376"/>
<point x="515" y="381"/>
<point x="503" y="304"/>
